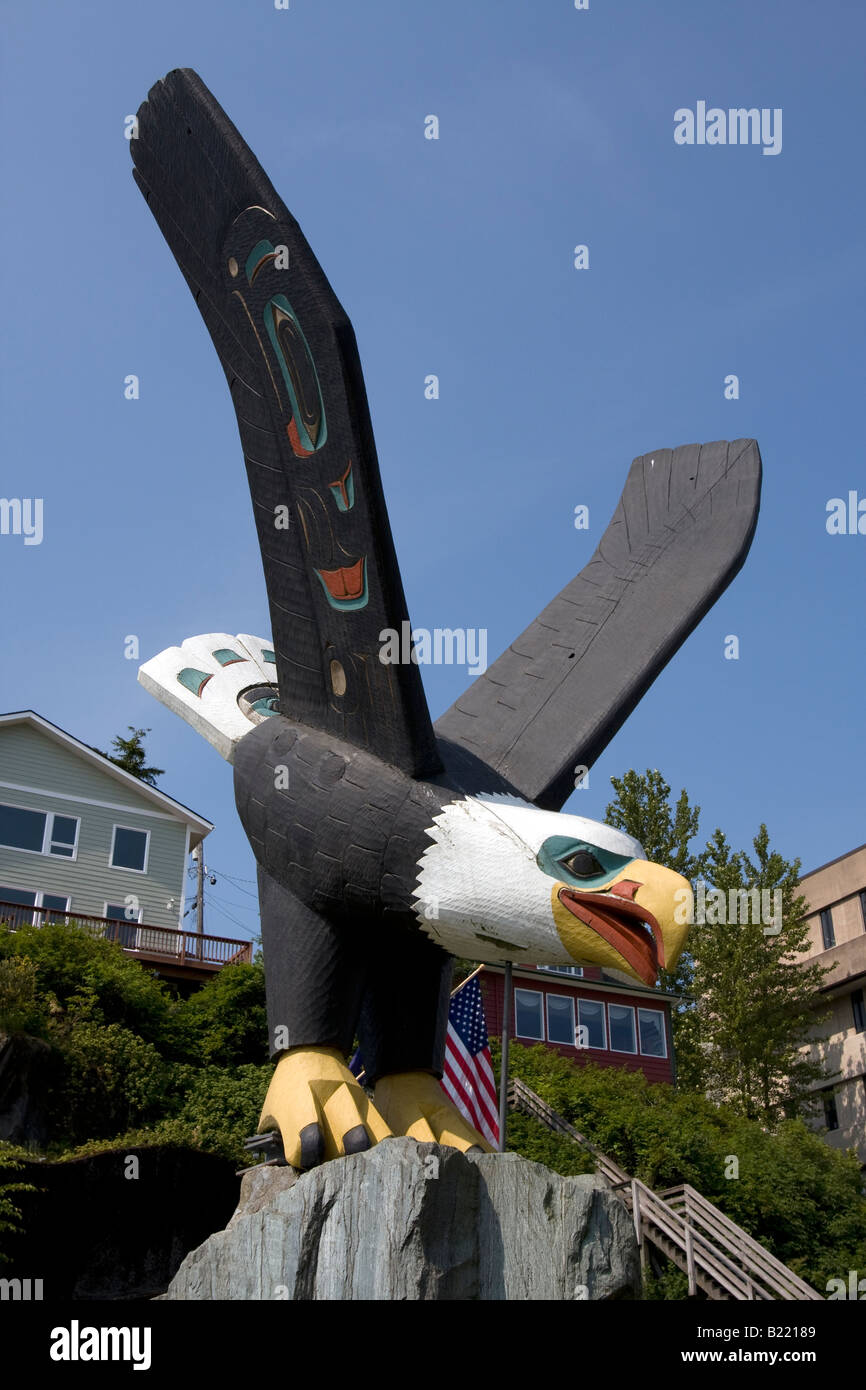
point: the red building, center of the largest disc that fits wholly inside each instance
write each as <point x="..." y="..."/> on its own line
<point x="586" y="1015"/>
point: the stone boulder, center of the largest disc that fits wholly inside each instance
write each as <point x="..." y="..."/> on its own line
<point x="417" y="1221"/>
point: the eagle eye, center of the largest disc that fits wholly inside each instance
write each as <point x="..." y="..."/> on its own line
<point x="583" y="864"/>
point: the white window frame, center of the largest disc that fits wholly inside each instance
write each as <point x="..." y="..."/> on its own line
<point x="592" y="1046"/>
<point x="538" y="995"/>
<point x="560" y="1042"/>
<point x="138" y="831"/>
<point x="131" y="921"/>
<point x="626" y="1052"/>
<point x="39" y="895"/>
<point x="660" y="1055"/>
<point x="575" y="971"/>
<point x="70" y="858"/>
<point x="47" y="833"/>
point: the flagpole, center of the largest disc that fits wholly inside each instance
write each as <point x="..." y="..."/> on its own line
<point x="477" y="971"/>
<point x="503" y="1070"/>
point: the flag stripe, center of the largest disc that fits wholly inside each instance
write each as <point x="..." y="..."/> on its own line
<point x="468" y="1078"/>
<point x="479" y="1078"/>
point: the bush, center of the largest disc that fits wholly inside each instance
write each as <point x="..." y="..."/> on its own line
<point x="799" y="1197"/>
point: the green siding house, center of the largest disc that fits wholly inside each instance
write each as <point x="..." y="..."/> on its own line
<point x="78" y="834"/>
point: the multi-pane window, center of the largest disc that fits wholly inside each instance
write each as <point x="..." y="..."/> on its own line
<point x="562" y="969"/>
<point x="621" y="1019"/>
<point x="64" y="831"/>
<point x="590" y="1019"/>
<point x="651" y="1030"/>
<point x="38" y="832"/>
<point x="57" y="905"/>
<point x="129" y="849"/>
<point x="528" y="1021"/>
<point x="828" y="935"/>
<point x="560" y="1019"/>
<point x="859" y="1010"/>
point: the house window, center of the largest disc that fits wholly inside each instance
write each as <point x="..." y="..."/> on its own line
<point x="831" y="1115"/>
<point x="129" y="849"/>
<point x="126" y="933"/>
<point x="859" y="1011"/>
<point x="651" y="1030"/>
<point x="590" y="1018"/>
<point x="827" y="933"/>
<point x="621" y="1018"/>
<point x="562" y="969"/>
<point x="560" y="1019"/>
<point x="64" y="833"/>
<point x="38" y="832"/>
<point x="527" y="1014"/>
<point x="56" y="903"/>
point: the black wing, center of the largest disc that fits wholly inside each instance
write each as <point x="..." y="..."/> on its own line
<point x="555" y="699"/>
<point x="289" y="354"/>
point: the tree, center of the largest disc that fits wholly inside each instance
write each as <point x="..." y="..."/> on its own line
<point x="755" y="994"/>
<point x="747" y="999"/>
<point x="643" y="809"/>
<point x="129" y="754"/>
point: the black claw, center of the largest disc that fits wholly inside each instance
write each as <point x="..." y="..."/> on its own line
<point x="312" y="1147"/>
<point x="356" y="1140"/>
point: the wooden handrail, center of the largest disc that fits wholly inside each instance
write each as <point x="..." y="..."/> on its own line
<point x="210" y="950"/>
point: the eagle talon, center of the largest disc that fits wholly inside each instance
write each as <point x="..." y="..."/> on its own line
<point x="413" y="1103"/>
<point x="319" y="1108"/>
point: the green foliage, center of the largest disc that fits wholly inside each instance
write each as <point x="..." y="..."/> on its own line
<point x="747" y="1005"/>
<point x="802" y="1199"/>
<point x="670" y="1285"/>
<point x="85" y="976"/>
<point x="643" y="809"/>
<point x="225" y="1023"/>
<point x="531" y="1139"/>
<point x="130" y="755"/>
<point x="220" y="1108"/>
<point x="755" y="996"/>
<point x="20" y="1011"/>
<point x="109" y="1080"/>
<point x="10" y="1214"/>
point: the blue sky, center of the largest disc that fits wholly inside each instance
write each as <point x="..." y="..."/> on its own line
<point x="455" y="257"/>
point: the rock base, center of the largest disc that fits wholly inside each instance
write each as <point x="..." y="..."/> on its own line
<point x="417" y="1221"/>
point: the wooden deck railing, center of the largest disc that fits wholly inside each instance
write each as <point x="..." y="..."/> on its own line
<point x="716" y="1254"/>
<point x="167" y="944"/>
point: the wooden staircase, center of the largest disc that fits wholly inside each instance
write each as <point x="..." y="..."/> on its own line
<point x="716" y="1254"/>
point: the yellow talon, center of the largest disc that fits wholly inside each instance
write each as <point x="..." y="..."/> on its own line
<point x="319" y="1108"/>
<point x="413" y="1103"/>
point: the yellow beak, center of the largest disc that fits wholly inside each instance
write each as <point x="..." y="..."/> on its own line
<point x="637" y="923"/>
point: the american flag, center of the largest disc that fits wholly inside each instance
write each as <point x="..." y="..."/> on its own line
<point x="468" y="1079"/>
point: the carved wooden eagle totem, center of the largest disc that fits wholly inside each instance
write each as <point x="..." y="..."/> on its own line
<point x="386" y="844"/>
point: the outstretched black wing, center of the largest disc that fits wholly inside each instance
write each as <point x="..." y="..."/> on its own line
<point x="555" y="699"/>
<point x="289" y="354"/>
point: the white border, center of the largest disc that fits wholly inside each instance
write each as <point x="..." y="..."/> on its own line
<point x="46" y="853"/>
<point x="123" y="868"/>
<point x="560" y="1042"/>
<point x="518" y="989"/>
<point x="625" y="1051"/>
<point x="659" y="1056"/>
<point x="592" y="1047"/>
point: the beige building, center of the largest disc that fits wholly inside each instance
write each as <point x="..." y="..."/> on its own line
<point x="836" y="894"/>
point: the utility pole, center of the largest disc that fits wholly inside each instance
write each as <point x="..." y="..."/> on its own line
<point x="199" y="897"/>
<point x="503" y="1071"/>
